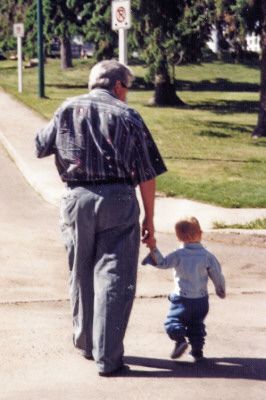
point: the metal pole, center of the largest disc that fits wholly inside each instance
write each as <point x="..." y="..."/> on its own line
<point x="122" y="40"/>
<point x="19" y="51"/>
<point x="40" y="48"/>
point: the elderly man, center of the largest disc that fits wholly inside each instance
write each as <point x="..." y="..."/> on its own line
<point x="103" y="150"/>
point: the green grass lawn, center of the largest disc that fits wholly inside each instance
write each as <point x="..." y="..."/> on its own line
<point x="207" y="145"/>
<point x="259" y="223"/>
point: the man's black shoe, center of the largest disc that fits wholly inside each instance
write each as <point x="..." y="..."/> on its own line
<point x="88" y="356"/>
<point x="120" y="371"/>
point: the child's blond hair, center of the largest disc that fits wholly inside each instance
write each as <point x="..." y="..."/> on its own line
<point x="188" y="229"/>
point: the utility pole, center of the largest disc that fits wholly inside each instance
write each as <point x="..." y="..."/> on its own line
<point x="40" y="48"/>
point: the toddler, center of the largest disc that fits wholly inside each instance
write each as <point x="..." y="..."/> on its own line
<point x="189" y="303"/>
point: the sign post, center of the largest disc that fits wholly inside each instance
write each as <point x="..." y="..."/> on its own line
<point x="121" y="21"/>
<point x="18" y="30"/>
<point x="40" y="48"/>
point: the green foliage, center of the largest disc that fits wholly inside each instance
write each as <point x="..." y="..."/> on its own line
<point x="234" y="19"/>
<point x="30" y="41"/>
<point x="11" y="11"/>
<point x="259" y="223"/>
<point x="249" y="13"/>
<point x="194" y="28"/>
<point x="171" y="31"/>
<point x="62" y="18"/>
<point x="98" y="30"/>
<point x="165" y="32"/>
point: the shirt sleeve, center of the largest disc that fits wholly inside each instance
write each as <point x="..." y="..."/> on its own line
<point x="215" y="274"/>
<point x="156" y="259"/>
<point x="45" y="138"/>
<point x="144" y="159"/>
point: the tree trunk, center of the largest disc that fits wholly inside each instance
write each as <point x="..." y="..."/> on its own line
<point x="260" y="129"/>
<point x="165" y="94"/>
<point x="65" y="53"/>
<point x="219" y="39"/>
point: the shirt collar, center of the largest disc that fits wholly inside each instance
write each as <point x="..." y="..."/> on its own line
<point x="99" y="91"/>
<point x="196" y="245"/>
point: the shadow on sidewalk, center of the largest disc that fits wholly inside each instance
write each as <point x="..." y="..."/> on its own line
<point x="231" y="368"/>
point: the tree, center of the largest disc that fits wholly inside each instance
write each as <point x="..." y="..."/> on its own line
<point x="11" y="11"/>
<point x="98" y="30"/>
<point x="253" y="14"/>
<point x="226" y="25"/>
<point x="163" y="32"/>
<point x="166" y="32"/>
<point x="63" y="19"/>
<point x="260" y="129"/>
<point x="30" y="24"/>
<point x="231" y="25"/>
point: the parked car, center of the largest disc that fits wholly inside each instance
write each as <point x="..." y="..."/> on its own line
<point x="54" y="48"/>
<point x="87" y="50"/>
<point x="2" y="57"/>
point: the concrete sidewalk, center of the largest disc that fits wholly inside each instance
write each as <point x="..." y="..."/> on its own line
<point x="18" y="125"/>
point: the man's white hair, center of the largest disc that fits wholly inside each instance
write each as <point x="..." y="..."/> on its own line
<point x="105" y="74"/>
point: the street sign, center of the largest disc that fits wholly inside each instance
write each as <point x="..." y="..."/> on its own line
<point x="121" y="18"/>
<point x="18" y="30"/>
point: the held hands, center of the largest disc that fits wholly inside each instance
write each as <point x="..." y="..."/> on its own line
<point x="148" y="239"/>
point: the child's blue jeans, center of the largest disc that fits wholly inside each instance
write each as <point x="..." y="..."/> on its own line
<point x="186" y="318"/>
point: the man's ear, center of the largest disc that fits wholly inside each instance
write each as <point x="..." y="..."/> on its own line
<point x="117" y="88"/>
<point x="119" y="91"/>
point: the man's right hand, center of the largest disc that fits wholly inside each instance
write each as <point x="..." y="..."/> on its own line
<point x="151" y="244"/>
<point x="147" y="232"/>
<point x="221" y="293"/>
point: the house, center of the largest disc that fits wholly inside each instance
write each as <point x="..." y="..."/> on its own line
<point x="252" y="42"/>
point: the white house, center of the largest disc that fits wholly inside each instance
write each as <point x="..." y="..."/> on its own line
<point x="252" y="40"/>
<point x="253" y="43"/>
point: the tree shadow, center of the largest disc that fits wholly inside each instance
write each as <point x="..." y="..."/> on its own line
<point x="138" y="84"/>
<point x="228" y="106"/>
<point x="67" y="86"/>
<point x="211" y="131"/>
<point x="8" y="68"/>
<point x="233" y="127"/>
<point x="260" y="143"/>
<point x="227" y="367"/>
<point x="216" y="134"/>
<point x="219" y="85"/>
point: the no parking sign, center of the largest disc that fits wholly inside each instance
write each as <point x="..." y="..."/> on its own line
<point x="121" y="18"/>
<point x="18" y="30"/>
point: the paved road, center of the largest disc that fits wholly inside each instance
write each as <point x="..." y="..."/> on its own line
<point x="37" y="359"/>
